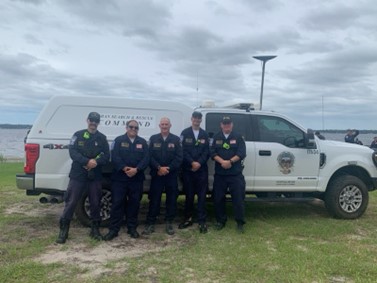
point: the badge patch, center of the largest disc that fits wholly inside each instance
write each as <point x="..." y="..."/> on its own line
<point x="286" y="161"/>
<point x="188" y="140"/>
<point x="81" y="143"/>
<point x="125" y="144"/>
<point x="219" y="142"/>
<point x="139" y="146"/>
<point x="73" y="139"/>
<point x="157" y="145"/>
<point x="171" y="145"/>
<point x="232" y="141"/>
<point x="202" y="141"/>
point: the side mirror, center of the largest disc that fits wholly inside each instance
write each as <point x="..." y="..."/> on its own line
<point x="309" y="139"/>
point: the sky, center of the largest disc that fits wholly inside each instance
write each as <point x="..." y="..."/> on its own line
<point x="324" y="75"/>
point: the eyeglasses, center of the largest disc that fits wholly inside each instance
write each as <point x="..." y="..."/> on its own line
<point x="133" y="127"/>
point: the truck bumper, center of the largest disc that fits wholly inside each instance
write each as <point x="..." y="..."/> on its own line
<point x="25" y="182"/>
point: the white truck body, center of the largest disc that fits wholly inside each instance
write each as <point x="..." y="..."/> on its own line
<point x="284" y="160"/>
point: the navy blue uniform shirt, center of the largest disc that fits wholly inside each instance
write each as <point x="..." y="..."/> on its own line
<point x="195" y="149"/>
<point x="166" y="152"/>
<point x="85" y="146"/>
<point x="226" y="148"/>
<point x="132" y="154"/>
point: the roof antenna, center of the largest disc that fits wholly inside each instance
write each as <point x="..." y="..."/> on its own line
<point x="197" y="87"/>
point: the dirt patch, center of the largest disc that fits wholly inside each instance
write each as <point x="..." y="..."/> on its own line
<point x="95" y="259"/>
<point x="35" y="209"/>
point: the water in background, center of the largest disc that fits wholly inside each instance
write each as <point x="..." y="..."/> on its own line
<point x="12" y="141"/>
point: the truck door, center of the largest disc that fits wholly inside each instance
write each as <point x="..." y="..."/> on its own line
<point x="282" y="161"/>
<point x="242" y="125"/>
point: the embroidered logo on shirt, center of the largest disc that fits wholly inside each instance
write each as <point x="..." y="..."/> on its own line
<point x="226" y="146"/>
<point x="157" y="145"/>
<point x="125" y="144"/>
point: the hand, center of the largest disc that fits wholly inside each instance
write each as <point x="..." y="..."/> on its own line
<point x="226" y="164"/>
<point x="195" y="166"/>
<point x="164" y="170"/>
<point x="130" y="172"/>
<point x="92" y="163"/>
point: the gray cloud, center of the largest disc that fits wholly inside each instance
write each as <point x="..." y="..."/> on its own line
<point x="163" y="49"/>
<point x="140" y="18"/>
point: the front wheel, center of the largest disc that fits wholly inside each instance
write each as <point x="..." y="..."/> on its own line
<point x="346" y="197"/>
<point x="83" y="208"/>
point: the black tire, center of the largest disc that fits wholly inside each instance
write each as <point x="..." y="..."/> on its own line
<point x="83" y="211"/>
<point x="346" y="197"/>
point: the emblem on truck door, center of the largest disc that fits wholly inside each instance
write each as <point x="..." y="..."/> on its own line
<point x="286" y="161"/>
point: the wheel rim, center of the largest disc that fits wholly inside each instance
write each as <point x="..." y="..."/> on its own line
<point x="105" y="205"/>
<point x="350" y="199"/>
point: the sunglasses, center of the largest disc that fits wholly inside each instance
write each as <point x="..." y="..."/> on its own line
<point x="133" y="127"/>
<point x="94" y="121"/>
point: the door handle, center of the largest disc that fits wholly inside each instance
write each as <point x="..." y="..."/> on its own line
<point x="265" y="152"/>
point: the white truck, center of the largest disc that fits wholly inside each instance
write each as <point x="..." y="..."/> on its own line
<point x="285" y="162"/>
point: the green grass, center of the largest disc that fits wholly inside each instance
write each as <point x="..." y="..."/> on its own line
<point x="282" y="243"/>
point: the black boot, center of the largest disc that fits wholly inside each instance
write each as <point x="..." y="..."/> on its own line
<point x="94" y="232"/>
<point x="63" y="233"/>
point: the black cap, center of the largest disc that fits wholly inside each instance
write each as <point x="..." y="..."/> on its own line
<point x="226" y="120"/>
<point x="94" y="116"/>
<point x="196" y="114"/>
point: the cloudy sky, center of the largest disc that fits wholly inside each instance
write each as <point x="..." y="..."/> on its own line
<point x="324" y="75"/>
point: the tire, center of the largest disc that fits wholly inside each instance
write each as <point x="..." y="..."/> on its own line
<point x="346" y="197"/>
<point x="83" y="211"/>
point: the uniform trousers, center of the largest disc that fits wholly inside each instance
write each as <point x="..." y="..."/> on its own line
<point x="74" y="193"/>
<point x="236" y="185"/>
<point x="195" y="183"/>
<point x="125" y="198"/>
<point x="159" y="184"/>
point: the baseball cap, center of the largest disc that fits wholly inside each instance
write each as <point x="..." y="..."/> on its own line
<point x="226" y="120"/>
<point x="94" y="116"/>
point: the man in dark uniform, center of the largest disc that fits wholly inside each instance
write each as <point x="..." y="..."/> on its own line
<point x="351" y="136"/>
<point x="165" y="160"/>
<point x="130" y="157"/>
<point x="195" y="144"/>
<point x="228" y="150"/>
<point x="89" y="150"/>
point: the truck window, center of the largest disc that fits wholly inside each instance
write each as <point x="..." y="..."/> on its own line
<point x="276" y="129"/>
<point x="241" y="124"/>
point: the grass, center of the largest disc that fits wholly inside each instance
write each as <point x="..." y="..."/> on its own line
<point x="282" y="243"/>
